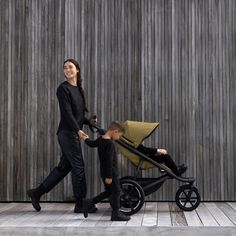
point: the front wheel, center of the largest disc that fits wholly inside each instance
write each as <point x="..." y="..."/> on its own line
<point x="187" y="198"/>
<point x="132" y="196"/>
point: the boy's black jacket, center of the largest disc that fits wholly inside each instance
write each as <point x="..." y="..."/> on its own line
<point x="107" y="155"/>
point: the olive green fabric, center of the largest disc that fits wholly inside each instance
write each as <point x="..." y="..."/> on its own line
<point x="135" y="133"/>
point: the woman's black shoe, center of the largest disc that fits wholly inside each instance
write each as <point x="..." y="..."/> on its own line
<point x="35" y="198"/>
<point x="87" y="204"/>
<point x="79" y="209"/>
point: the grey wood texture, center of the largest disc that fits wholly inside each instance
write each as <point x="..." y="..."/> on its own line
<point x="171" y="61"/>
<point x="151" y="215"/>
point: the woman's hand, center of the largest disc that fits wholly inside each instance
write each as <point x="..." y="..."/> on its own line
<point x="83" y="135"/>
<point x="161" y="151"/>
<point x="108" y="180"/>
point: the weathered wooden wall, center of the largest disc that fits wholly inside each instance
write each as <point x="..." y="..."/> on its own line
<point x="171" y="61"/>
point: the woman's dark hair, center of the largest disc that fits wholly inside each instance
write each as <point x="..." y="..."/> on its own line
<point x="79" y="80"/>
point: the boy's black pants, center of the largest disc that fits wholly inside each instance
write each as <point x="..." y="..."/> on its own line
<point x="167" y="160"/>
<point x="112" y="191"/>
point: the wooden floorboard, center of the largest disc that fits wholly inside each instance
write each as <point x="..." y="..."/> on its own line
<point x="163" y="214"/>
<point x="228" y="211"/>
<point x="153" y="214"/>
<point x="150" y="214"/>
<point x="205" y="216"/>
<point x="218" y="214"/>
<point x="192" y="218"/>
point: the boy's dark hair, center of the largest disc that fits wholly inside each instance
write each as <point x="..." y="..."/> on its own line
<point x="116" y="125"/>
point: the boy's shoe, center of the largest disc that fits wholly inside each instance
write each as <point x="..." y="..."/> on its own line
<point x="119" y="216"/>
<point x="87" y="204"/>
<point x="35" y="198"/>
<point x="79" y="209"/>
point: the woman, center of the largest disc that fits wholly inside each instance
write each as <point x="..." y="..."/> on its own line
<point x="72" y="105"/>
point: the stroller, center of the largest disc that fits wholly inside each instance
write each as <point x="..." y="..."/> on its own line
<point x="134" y="188"/>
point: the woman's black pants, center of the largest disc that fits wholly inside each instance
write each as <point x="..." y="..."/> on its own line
<point x="71" y="160"/>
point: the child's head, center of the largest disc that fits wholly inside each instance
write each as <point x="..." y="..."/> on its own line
<point x="116" y="130"/>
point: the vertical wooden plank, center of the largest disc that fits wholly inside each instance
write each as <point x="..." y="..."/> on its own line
<point x="163" y="217"/>
<point x="150" y="214"/>
<point x="167" y="61"/>
<point x="177" y="215"/>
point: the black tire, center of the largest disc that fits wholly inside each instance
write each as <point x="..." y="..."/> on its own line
<point x="187" y="198"/>
<point x="132" y="196"/>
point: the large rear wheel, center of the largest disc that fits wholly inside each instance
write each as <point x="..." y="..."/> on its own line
<point x="132" y="196"/>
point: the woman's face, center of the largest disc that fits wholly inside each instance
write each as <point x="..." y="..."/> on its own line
<point x="70" y="70"/>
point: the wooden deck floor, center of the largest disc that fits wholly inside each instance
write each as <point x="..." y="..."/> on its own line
<point x="154" y="217"/>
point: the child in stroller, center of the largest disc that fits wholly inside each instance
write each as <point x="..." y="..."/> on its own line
<point x="161" y="156"/>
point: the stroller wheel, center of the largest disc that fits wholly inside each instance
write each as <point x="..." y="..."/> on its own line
<point x="187" y="198"/>
<point x="132" y="196"/>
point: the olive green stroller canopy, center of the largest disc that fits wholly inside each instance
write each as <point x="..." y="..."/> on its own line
<point x="135" y="133"/>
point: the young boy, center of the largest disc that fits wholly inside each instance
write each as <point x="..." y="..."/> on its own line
<point x="109" y="170"/>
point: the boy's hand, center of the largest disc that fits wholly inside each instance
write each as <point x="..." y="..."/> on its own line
<point x="83" y="135"/>
<point x="108" y="180"/>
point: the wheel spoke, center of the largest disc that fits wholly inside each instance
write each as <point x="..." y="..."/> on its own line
<point x="131" y="205"/>
<point x="131" y="190"/>
<point x="182" y="198"/>
<point x="185" y="193"/>
<point x="134" y="199"/>
<point x="124" y="191"/>
<point x="190" y="193"/>
<point x="184" y="201"/>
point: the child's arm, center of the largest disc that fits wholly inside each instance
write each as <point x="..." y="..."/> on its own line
<point x="151" y="151"/>
<point x="91" y="143"/>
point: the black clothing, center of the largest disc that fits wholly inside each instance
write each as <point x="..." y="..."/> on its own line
<point x="162" y="158"/>
<point x="107" y="155"/>
<point x="72" y="108"/>
<point x="109" y="169"/>
<point x="112" y="191"/>
<point x="71" y="160"/>
<point x="147" y="150"/>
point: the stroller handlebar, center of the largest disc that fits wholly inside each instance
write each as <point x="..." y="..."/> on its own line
<point x="95" y="128"/>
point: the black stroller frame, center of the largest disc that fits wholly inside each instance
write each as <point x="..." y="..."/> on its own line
<point x="135" y="188"/>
